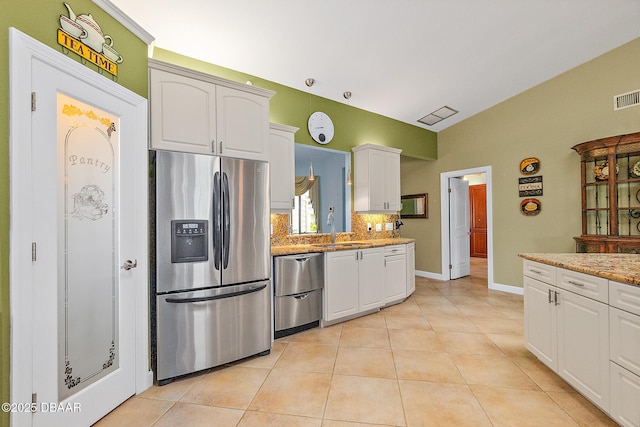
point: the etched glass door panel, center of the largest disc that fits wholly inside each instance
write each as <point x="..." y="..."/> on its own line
<point x="88" y="229"/>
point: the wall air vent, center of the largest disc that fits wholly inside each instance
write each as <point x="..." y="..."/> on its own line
<point x="626" y="100"/>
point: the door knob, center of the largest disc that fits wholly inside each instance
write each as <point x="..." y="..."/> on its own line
<point x="128" y="264"/>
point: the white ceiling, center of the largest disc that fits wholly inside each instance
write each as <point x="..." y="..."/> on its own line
<point x="400" y="58"/>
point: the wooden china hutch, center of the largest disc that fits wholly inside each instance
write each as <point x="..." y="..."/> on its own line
<point x="610" y="173"/>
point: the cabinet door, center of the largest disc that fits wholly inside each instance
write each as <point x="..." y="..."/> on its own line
<point x="625" y="397"/>
<point x="625" y="339"/>
<point x="243" y="124"/>
<point x="540" y="321"/>
<point x="583" y="346"/>
<point x="281" y="170"/>
<point x="392" y="171"/>
<point x="341" y="284"/>
<point x="395" y="278"/>
<point x="183" y="112"/>
<point x="411" y="268"/>
<point x="377" y="180"/>
<point x="371" y="279"/>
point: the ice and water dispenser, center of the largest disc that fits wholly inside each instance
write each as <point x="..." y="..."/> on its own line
<point x="189" y="240"/>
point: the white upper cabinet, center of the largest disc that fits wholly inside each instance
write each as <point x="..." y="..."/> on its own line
<point x="282" y="167"/>
<point x="377" y="179"/>
<point x="199" y="113"/>
<point x="183" y="113"/>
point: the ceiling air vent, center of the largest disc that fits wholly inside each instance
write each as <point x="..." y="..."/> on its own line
<point x="626" y="100"/>
<point x="437" y="116"/>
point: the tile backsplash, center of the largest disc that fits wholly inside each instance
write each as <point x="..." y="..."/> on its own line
<point x="281" y="236"/>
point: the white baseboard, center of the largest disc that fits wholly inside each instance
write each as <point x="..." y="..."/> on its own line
<point x="494" y="286"/>
<point x="507" y="288"/>
<point x="429" y="275"/>
<point x="145" y="383"/>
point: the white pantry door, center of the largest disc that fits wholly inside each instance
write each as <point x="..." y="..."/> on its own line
<point x="459" y="228"/>
<point x="84" y="215"/>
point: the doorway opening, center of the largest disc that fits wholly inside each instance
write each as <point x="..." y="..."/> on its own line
<point x="456" y="250"/>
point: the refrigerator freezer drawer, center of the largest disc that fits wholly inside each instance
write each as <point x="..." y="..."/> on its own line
<point x="297" y="310"/>
<point x="202" y="329"/>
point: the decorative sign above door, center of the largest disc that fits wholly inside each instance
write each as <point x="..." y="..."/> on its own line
<point x="83" y="36"/>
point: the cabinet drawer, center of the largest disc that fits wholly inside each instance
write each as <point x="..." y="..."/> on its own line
<point x="297" y="310"/>
<point x="625" y="397"/>
<point x="395" y="250"/>
<point x="593" y="287"/>
<point x="625" y="297"/>
<point x="542" y="272"/>
<point x="625" y="339"/>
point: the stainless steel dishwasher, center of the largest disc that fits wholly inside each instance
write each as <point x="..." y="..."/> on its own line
<point x="299" y="280"/>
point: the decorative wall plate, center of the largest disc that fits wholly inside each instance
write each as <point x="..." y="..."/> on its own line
<point x="530" y="207"/>
<point x="529" y="166"/>
<point x="635" y="170"/>
<point x="601" y="171"/>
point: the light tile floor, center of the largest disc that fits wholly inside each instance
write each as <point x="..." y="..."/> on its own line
<point x="451" y="355"/>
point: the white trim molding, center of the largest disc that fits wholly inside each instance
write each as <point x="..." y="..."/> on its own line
<point x="23" y="51"/>
<point x="430" y="275"/>
<point x="444" y="213"/>
<point x="507" y="288"/>
<point x="125" y="20"/>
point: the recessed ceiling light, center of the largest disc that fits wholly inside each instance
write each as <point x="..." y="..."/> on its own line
<point x="437" y="116"/>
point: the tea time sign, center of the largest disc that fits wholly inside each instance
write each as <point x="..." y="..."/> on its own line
<point x="82" y="35"/>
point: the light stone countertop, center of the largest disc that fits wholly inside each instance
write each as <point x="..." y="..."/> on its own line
<point x="624" y="268"/>
<point x="340" y="246"/>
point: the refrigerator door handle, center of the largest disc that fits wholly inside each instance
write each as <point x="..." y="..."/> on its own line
<point x="216" y="297"/>
<point x="226" y="221"/>
<point x="216" y="221"/>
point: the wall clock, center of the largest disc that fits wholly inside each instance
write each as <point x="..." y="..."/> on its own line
<point x="321" y="127"/>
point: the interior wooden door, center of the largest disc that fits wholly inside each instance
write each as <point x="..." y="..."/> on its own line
<point x="478" y="204"/>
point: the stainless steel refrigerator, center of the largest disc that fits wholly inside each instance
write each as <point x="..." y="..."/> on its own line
<point x="212" y="278"/>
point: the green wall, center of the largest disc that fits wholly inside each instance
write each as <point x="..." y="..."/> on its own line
<point x="543" y="122"/>
<point x="353" y="126"/>
<point x="40" y="20"/>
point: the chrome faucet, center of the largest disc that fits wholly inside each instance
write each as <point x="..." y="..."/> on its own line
<point x="330" y="221"/>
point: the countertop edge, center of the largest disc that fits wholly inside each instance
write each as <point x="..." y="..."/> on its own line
<point x="365" y="244"/>
<point x="623" y="268"/>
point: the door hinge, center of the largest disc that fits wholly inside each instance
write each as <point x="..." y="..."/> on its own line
<point x="33" y="101"/>
<point x="34" y="398"/>
<point x="450" y="267"/>
<point x="449" y="190"/>
<point x="33" y="251"/>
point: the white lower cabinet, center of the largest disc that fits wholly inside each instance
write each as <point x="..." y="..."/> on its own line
<point x="411" y="268"/>
<point x="353" y="282"/>
<point x="568" y="332"/>
<point x="395" y="274"/>
<point x="624" y="315"/>
<point x="583" y="346"/>
<point x="540" y="321"/>
<point x="625" y="396"/>
<point x="370" y="285"/>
